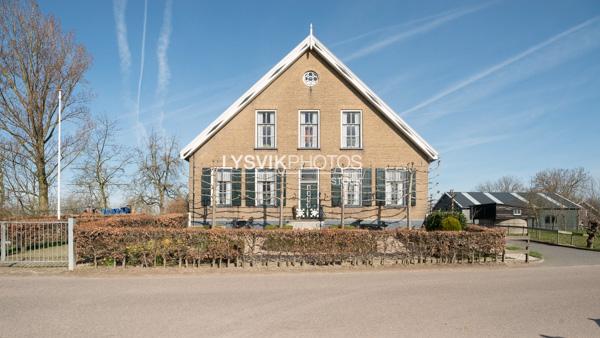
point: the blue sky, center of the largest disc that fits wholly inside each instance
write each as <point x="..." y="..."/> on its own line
<point x="497" y="87"/>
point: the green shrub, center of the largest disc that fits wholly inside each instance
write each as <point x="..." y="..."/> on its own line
<point x="436" y="220"/>
<point x="451" y="223"/>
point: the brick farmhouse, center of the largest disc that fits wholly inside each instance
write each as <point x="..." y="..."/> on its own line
<point x="309" y="142"/>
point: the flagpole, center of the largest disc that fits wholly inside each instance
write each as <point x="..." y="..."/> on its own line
<point x="59" y="151"/>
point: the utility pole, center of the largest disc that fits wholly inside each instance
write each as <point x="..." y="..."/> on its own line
<point x="213" y="182"/>
<point x="281" y="187"/>
<point x="59" y="153"/>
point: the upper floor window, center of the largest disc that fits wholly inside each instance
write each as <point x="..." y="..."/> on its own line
<point x="265" y="187"/>
<point x="351" y="129"/>
<point x="395" y="181"/>
<point x="309" y="129"/>
<point x="265" y="129"/>
<point x="352" y="185"/>
<point x="224" y="186"/>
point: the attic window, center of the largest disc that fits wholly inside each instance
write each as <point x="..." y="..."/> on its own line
<point x="311" y="78"/>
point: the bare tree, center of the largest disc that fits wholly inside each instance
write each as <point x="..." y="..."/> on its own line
<point x="103" y="164"/>
<point x="503" y="184"/>
<point x="36" y="60"/>
<point x="570" y="183"/>
<point x="20" y="180"/>
<point x="159" y="169"/>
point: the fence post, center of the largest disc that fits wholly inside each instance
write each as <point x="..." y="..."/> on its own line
<point x="71" y="246"/>
<point x="571" y="238"/>
<point x="527" y="251"/>
<point x="3" y="241"/>
<point x="557" y="237"/>
<point x="189" y="219"/>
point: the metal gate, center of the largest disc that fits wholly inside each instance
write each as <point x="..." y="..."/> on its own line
<point x="40" y="243"/>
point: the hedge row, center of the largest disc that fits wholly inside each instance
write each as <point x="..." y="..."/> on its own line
<point x="137" y="220"/>
<point x="154" y="246"/>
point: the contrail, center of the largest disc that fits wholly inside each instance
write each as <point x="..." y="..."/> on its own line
<point x="121" y="29"/>
<point x="164" y="73"/>
<point x="141" y="78"/>
<point x="500" y="65"/>
<point x="437" y="20"/>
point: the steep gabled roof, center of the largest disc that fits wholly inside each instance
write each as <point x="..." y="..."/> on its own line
<point x="309" y="43"/>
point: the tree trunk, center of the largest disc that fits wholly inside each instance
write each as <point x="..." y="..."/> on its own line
<point x="103" y="197"/>
<point x="42" y="179"/>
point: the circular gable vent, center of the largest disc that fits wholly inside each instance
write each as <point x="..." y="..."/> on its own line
<point x="311" y="78"/>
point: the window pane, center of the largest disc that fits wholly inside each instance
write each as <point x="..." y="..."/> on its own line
<point x="351" y="129"/>
<point x="395" y="180"/>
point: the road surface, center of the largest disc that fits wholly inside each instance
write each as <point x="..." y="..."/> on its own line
<point x="537" y="300"/>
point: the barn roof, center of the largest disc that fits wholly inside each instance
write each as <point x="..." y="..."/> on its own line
<point x="309" y="43"/>
<point x="466" y="200"/>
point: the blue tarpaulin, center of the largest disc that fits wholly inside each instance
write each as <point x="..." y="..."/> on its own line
<point x="117" y="211"/>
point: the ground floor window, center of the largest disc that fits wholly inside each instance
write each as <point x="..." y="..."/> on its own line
<point x="223" y="179"/>
<point x="352" y="184"/>
<point x="265" y="187"/>
<point x="395" y="180"/>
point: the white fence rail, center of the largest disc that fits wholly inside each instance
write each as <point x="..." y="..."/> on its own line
<point x="40" y="243"/>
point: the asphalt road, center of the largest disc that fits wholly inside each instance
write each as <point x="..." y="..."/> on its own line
<point x="503" y="302"/>
<point x="562" y="256"/>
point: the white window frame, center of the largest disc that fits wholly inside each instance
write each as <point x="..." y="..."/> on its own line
<point x="256" y="143"/>
<point x="228" y="189"/>
<point x="259" y="198"/>
<point x="517" y="212"/>
<point x="343" y="144"/>
<point x="400" y="185"/>
<point x="300" y="121"/>
<point x="357" y="195"/>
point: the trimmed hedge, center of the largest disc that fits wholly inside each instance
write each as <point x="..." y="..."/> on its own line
<point x="163" y="246"/>
<point x="137" y="220"/>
